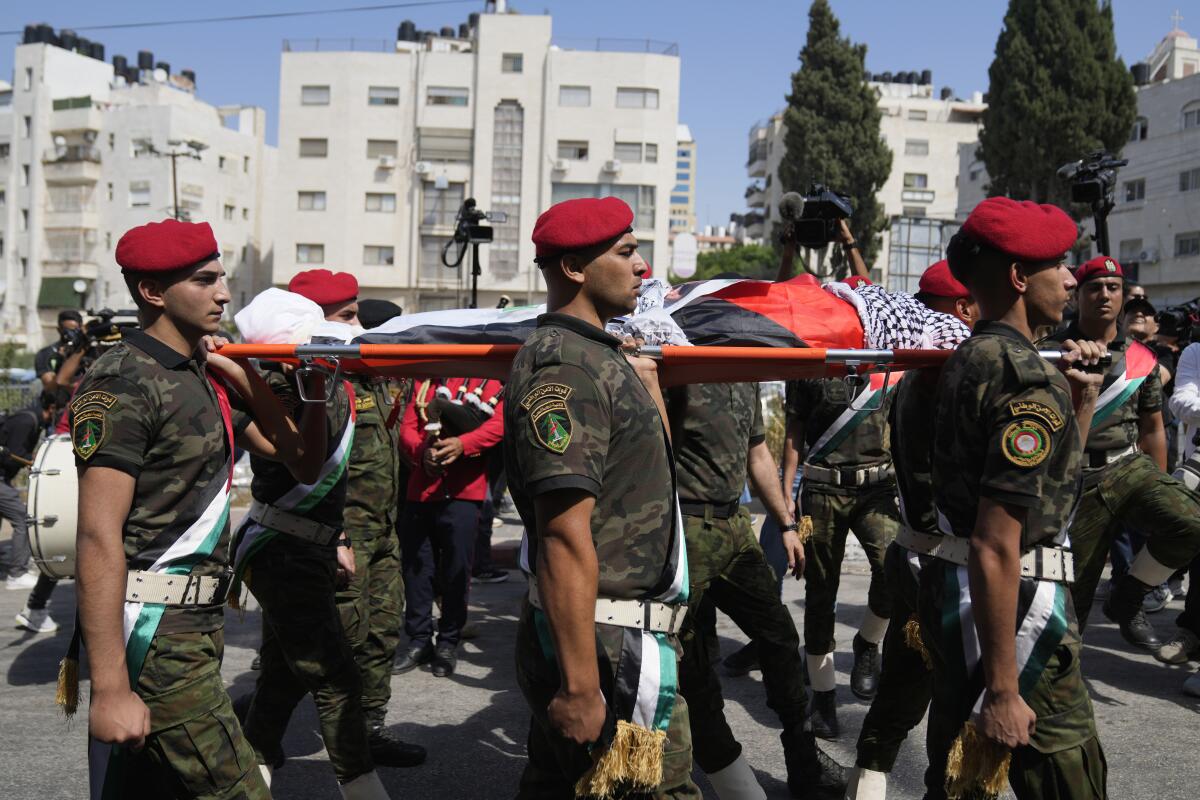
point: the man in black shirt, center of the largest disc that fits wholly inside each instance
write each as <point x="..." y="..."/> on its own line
<point x="50" y="359"/>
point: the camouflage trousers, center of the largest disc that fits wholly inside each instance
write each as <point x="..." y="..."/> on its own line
<point x="305" y="651"/>
<point x="871" y="514"/>
<point x="556" y="763"/>
<point x="195" y="748"/>
<point x="726" y="565"/>
<point x="905" y="682"/>
<point x="1064" y="759"/>
<point x="372" y="610"/>
<point x="1133" y="493"/>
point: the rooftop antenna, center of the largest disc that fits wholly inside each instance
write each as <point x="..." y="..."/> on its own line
<point x="1176" y="18"/>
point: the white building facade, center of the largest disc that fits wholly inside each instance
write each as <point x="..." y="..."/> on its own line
<point x="83" y="158"/>
<point x="683" y="193"/>
<point x="378" y="151"/>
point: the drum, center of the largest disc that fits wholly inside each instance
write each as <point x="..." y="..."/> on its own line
<point x="54" y="507"/>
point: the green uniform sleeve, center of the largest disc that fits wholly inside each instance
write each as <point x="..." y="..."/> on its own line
<point x="112" y="424"/>
<point x="1150" y="393"/>
<point x="800" y="399"/>
<point x="561" y="431"/>
<point x="758" y="430"/>
<point x="1023" y="433"/>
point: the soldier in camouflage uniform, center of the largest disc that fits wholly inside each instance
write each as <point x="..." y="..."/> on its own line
<point x="590" y="471"/>
<point x="848" y="484"/>
<point x="152" y="432"/>
<point x="718" y="436"/>
<point x="1006" y="459"/>
<point x="1125" y="458"/>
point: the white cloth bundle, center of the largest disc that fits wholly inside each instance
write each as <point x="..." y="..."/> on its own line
<point x="279" y="317"/>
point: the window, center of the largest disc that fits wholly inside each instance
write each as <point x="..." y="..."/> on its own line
<point x="681" y="187"/>
<point x="109" y="192"/>
<point x="377" y="148"/>
<point x="431" y="263"/>
<point x="28" y="79"/>
<point x="683" y="153"/>
<point x="314" y="95"/>
<point x="512" y="62"/>
<point x="229" y="211"/>
<point x="310" y="253"/>
<point x="973" y="175"/>
<point x="314" y="148"/>
<point x="245" y="213"/>
<point x="377" y="255"/>
<point x="916" y="180"/>
<point x="575" y="96"/>
<point x="452" y="145"/>
<point x="221" y="163"/>
<point x="914" y="244"/>
<point x="5" y="149"/>
<point x="636" y="98"/>
<point x="246" y="164"/>
<point x="1189" y="181"/>
<point x="1130" y="251"/>
<point x="3" y="198"/>
<point x="508" y="138"/>
<point x="112" y="141"/>
<point x="914" y="211"/>
<point x="682" y="164"/>
<point x="918" y="114"/>
<point x="24" y="174"/>
<point x="1141" y="126"/>
<point x="640" y="198"/>
<point x="1135" y="190"/>
<point x="1191" y="117"/>
<point x="447" y="96"/>
<point x="916" y="147"/>
<point x="1187" y="244"/>
<point x="683" y="176"/>
<point x="573" y="151"/>
<point x="383" y="96"/>
<point x="1" y="246"/>
<point x="26" y="127"/>
<point x="679" y="199"/>
<point x="24" y="219"/>
<point x="439" y="207"/>
<point x="382" y="202"/>
<point x="651" y="153"/>
<point x="140" y="147"/>
<point x="311" y="201"/>
<point x="629" y="152"/>
<point x="139" y="194"/>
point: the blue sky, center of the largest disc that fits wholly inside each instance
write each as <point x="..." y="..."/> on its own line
<point x="736" y="56"/>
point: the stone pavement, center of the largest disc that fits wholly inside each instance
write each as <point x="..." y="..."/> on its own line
<point x="474" y="723"/>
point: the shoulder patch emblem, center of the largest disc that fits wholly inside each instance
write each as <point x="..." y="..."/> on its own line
<point x="1026" y="443"/>
<point x="364" y="402"/>
<point x="88" y="431"/>
<point x="94" y="397"/>
<point x="546" y="390"/>
<point x="1032" y="408"/>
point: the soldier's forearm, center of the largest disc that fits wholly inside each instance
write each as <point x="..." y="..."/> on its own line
<point x="994" y="572"/>
<point x="1152" y="438"/>
<point x="761" y="468"/>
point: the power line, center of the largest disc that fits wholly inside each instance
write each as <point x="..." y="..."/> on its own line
<point x="250" y="17"/>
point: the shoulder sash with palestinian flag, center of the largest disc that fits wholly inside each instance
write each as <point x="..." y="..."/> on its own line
<point x="1127" y="376"/>
<point x="252" y="536"/>
<point x="188" y="541"/>
<point x="868" y="400"/>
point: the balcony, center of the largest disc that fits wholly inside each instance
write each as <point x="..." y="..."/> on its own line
<point x="88" y="270"/>
<point x="83" y="218"/>
<point x="917" y="195"/>
<point x="72" y="164"/>
<point x="756" y="162"/>
<point x="74" y="114"/>
<point x="754" y="224"/>
<point x="756" y="196"/>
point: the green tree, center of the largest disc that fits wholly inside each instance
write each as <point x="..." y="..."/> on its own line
<point x="1057" y="92"/>
<point x="751" y="261"/>
<point x="832" y="123"/>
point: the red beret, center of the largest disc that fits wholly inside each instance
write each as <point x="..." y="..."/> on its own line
<point x="1099" y="267"/>
<point x="576" y="224"/>
<point x="938" y="282"/>
<point x="1024" y="230"/>
<point x="324" y="287"/>
<point x="166" y="246"/>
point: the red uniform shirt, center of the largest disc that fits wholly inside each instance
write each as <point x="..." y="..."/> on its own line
<point x="466" y="478"/>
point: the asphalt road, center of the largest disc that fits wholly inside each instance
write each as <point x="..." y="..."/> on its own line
<point x="474" y="723"/>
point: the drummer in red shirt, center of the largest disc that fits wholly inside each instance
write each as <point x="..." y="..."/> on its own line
<point x="449" y="425"/>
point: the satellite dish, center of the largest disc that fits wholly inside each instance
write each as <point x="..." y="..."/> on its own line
<point x="60" y="141"/>
<point x="160" y="75"/>
<point x="80" y="286"/>
<point x="683" y="255"/>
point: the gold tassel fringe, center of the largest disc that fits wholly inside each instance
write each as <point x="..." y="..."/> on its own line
<point x="67" y="695"/>
<point x="634" y="761"/>
<point x="976" y="766"/>
<point x="912" y="638"/>
<point x="806" y="529"/>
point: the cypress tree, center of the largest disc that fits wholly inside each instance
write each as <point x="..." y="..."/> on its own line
<point x="1057" y="92"/>
<point x="832" y="127"/>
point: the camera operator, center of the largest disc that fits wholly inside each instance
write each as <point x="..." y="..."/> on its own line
<point x="57" y="363"/>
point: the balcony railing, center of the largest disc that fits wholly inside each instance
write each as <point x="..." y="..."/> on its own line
<point x="651" y="46"/>
<point x="71" y="154"/>
<point x="339" y="45"/>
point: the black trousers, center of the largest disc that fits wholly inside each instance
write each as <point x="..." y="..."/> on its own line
<point x="437" y="546"/>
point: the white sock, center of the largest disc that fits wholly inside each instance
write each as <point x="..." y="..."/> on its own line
<point x="866" y="784"/>
<point x="266" y="773"/>
<point x="821" y="672"/>
<point x="872" y="628"/>
<point x="737" y="782"/>
<point x="365" y="787"/>
<point x="1147" y="570"/>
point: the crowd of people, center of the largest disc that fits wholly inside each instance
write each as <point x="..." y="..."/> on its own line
<point x="988" y="496"/>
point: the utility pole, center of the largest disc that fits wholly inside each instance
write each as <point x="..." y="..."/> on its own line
<point x="179" y="149"/>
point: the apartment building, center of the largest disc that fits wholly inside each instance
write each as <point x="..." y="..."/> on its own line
<point x="86" y="153"/>
<point x="380" y="144"/>
<point x="683" y="194"/>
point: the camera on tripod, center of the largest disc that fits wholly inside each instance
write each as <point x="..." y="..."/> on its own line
<point x="1093" y="178"/>
<point x="469" y="227"/>
<point x="817" y="224"/>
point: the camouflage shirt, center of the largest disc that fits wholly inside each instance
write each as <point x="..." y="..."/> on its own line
<point x="1120" y="429"/>
<point x="1005" y="430"/>
<point x="818" y="403"/>
<point x="578" y="417"/>
<point x="152" y="413"/>
<point x="713" y="426"/>
<point x="912" y="429"/>
<point x="372" y="493"/>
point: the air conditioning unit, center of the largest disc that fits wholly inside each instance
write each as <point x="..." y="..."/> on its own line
<point x="423" y="168"/>
<point x="612" y="165"/>
<point x="387" y="162"/>
<point x="560" y="165"/>
<point x="1148" y="256"/>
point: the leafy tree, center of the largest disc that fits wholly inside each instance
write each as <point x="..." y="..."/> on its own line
<point x="832" y="123"/>
<point x="1057" y="92"/>
<point x="751" y="261"/>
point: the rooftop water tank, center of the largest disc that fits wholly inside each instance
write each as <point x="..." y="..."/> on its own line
<point x="145" y="59"/>
<point x="407" y="32"/>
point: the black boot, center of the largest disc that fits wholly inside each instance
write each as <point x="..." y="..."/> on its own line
<point x="445" y="659"/>
<point x="386" y="749"/>
<point x="811" y="773"/>
<point x="742" y="661"/>
<point x="1124" y="607"/>
<point x="417" y="654"/>
<point x="824" y="715"/>
<point x="864" y="677"/>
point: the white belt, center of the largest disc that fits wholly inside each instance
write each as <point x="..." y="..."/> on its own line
<point x="176" y="590"/>
<point x="1043" y="563"/>
<point x="292" y="524"/>
<point x="832" y="476"/>
<point x="646" y="615"/>
<point x="1109" y="457"/>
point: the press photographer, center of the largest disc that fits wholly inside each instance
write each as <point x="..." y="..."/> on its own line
<point x="813" y="222"/>
<point x="60" y="356"/>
